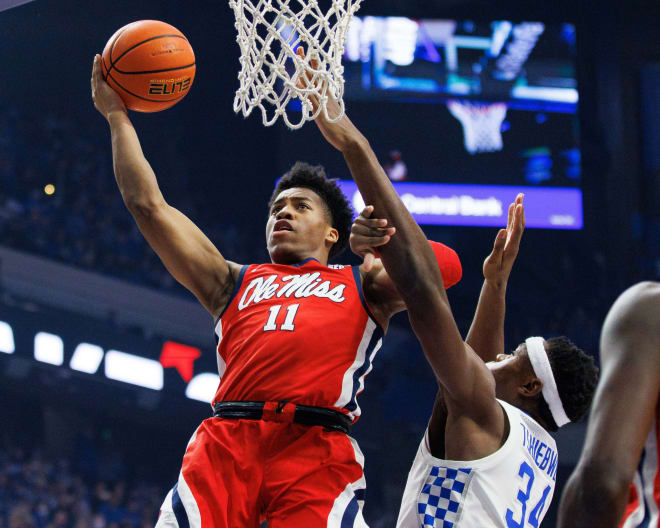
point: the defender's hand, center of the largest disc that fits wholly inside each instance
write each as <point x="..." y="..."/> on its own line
<point x="340" y="134"/>
<point x="106" y="100"/>
<point x="497" y="266"/>
<point x="368" y="233"/>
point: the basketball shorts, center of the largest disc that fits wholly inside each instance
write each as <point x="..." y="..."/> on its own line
<point x="236" y="473"/>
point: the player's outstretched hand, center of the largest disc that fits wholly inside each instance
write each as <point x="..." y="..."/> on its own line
<point x="369" y="233"/>
<point x="106" y="100"/>
<point x="497" y="266"/>
<point x="340" y="134"/>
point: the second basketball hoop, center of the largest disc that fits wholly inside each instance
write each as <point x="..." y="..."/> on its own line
<point x="269" y="32"/>
<point x="482" y="124"/>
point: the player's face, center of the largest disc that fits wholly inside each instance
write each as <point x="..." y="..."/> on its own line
<point x="298" y="227"/>
<point x="507" y="370"/>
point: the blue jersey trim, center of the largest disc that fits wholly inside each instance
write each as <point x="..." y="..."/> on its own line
<point x="363" y="300"/>
<point x="237" y="287"/>
<point x="350" y="513"/>
<point x="375" y="338"/>
<point x="646" y="521"/>
<point x="179" y="510"/>
<point x="303" y="262"/>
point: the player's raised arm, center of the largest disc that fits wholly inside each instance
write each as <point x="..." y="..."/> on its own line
<point x="413" y="268"/>
<point x="623" y="410"/>
<point x="486" y="335"/>
<point x="186" y="252"/>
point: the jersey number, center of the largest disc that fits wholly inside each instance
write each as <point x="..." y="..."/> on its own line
<point x="523" y="496"/>
<point x="287" y="325"/>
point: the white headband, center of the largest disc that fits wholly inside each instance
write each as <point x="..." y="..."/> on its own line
<point x="541" y="365"/>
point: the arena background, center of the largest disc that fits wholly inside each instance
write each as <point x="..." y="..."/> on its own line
<point x="80" y="443"/>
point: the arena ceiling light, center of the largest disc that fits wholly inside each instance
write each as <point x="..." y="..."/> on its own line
<point x="119" y="366"/>
<point x="48" y="348"/>
<point x="6" y="338"/>
<point x="132" y="369"/>
<point x="202" y="387"/>
<point x="86" y="358"/>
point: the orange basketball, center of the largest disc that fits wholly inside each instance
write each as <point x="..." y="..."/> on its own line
<point x="150" y="64"/>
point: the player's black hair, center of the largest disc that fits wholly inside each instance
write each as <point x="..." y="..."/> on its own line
<point x="314" y="178"/>
<point x="576" y="375"/>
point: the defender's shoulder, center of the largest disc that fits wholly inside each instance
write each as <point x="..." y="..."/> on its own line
<point x="639" y="304"/>
<point x="632" y="325"/>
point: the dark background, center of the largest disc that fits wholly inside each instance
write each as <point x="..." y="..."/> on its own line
<point x="220" y="168"/>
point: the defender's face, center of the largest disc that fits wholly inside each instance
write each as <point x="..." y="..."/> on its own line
<point x="297" y="226"/>
<point x="507" y="370"/>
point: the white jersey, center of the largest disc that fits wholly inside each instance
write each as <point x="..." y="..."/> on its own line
<point x="512" y="488"/>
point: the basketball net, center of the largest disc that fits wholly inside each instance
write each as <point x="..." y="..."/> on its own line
<point x="482" y="124"/>
<point x="269" y="32"/>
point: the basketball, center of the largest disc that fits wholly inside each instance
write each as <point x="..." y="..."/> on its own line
<point x="150" y="64"/>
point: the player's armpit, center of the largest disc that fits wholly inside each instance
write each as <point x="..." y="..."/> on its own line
<point x="467" y="382"/>
<point x="383" y="295"/>
<point x="380" y="293"/>
<point x="477" y="416"/>
<point x="188" y="255"/>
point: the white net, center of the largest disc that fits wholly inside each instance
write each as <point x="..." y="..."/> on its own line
<point x="482" y="124"/>
<point x="269" y="33"/>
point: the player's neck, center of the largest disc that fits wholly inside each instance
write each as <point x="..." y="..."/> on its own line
<point x="532" y="409"/>
<point x="294" y="258"/>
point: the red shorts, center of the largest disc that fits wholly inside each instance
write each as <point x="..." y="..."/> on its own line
<point x="238" y="473"/>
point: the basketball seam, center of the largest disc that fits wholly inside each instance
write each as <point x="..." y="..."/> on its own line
<point x="112" y="63"/>
<point x="107" y="70"/>
<point x="144" y="98"/>
<point x="110" y="54"/>
<point x="154" y="71"/>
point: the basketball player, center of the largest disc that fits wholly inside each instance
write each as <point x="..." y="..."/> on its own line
<point x="486" y="458"/>
<point x="296" y="339"/>
<point x="620" y="458"/>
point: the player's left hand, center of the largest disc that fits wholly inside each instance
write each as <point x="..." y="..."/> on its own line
<point x="368" y="233"/>
<point x="340" y="134"/>
<point x="497" y="266"/>
<point x="106" y="100"/>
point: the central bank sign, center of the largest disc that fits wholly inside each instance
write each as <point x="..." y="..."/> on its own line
<point x="482" y="205"/>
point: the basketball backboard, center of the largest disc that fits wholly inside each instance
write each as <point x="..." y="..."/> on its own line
<point x="8" y="4"/>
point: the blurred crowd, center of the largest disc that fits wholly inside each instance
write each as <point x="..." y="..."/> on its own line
<point x="46" y="492"/>
<point x="84" y="222"/>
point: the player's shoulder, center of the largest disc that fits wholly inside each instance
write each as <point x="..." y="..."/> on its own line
<point x="529" y="425"/>
<point x="631" y="332"/>
<point x="647" y="292"/>
<point x="234" y="268"/>
<point x="638" y="306"/>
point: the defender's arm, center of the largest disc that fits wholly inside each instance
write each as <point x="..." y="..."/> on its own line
<point x="624" y="407"/>
<point x="367" y="234"/>
<point x="486" y="335"/>
<point x="185" y="251"/>
<point x="412" y="266"/>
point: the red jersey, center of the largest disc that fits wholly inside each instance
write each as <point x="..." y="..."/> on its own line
<point x="301" y="333"/>
<point x="644" y="499"/>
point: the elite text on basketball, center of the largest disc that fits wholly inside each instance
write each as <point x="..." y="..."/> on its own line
<point x="169" y="86"/>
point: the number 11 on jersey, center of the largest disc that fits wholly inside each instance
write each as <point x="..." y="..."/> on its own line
<point x="287" y="325"/>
